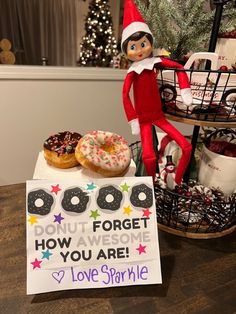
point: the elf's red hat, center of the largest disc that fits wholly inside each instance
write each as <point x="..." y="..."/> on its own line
<point x="133" y="21"/>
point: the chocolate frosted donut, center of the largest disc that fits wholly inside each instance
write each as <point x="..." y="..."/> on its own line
<point x="114" y="193"/>
<point x="141" y="196"/>
<point x="39" y="202"/>
<point x="75" y="200"/>
<point x="59" y="149"/>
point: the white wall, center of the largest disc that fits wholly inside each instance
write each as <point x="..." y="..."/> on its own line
<point x="38" y="101"/>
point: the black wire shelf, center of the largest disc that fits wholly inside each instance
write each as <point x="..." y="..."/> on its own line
<point x="192" y="216"/>
<point x="214" y="95"/>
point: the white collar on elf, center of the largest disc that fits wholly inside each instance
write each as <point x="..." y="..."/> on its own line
<point x="147" y="63"/>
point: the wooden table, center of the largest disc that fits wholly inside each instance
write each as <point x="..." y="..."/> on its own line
<point x="199" y="276"/>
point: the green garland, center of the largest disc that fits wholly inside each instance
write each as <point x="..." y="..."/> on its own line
<point x="182" y="26"/>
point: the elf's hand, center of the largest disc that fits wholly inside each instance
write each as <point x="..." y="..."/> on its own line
<point x="186" y="96"/>
<point x="135" y="128"/>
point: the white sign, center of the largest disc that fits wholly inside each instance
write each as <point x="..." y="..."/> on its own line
<point x="83" y="234"/>
<point x="226" y="48"/>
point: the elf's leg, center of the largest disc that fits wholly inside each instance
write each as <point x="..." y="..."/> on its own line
<point x="148" y="154"/>
<point x="182" y="142"/>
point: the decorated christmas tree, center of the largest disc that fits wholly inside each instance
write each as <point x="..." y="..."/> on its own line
<point x="182" y="26"/>
<point x="99" y="45"/>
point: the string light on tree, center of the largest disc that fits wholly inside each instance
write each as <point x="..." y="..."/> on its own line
<point x="99" y="45"/>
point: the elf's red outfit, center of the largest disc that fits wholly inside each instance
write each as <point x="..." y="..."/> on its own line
<point x="148" y="110"/>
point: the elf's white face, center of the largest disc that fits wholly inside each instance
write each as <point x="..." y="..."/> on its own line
<point x="139" y="50"/>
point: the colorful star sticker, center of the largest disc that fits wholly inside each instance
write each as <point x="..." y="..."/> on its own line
<point x="32" y="220"/>
<point x="55" y="189"/>
<point x="141" y="248"/>
<point x="125" y="187"/>
<point x="91" y="186"/>
<point x="46" y="254"/>
<point x="127" y="210"/>
<point x="146" y="213"/>
<point x="58" y="218"/>
<point x="94" y="214"/>
<point x="36" y="263"/>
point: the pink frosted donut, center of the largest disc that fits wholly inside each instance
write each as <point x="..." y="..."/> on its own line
<point x="104" y="152"/>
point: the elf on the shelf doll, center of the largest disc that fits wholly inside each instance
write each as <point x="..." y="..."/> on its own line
<point x="137" y="44"/>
